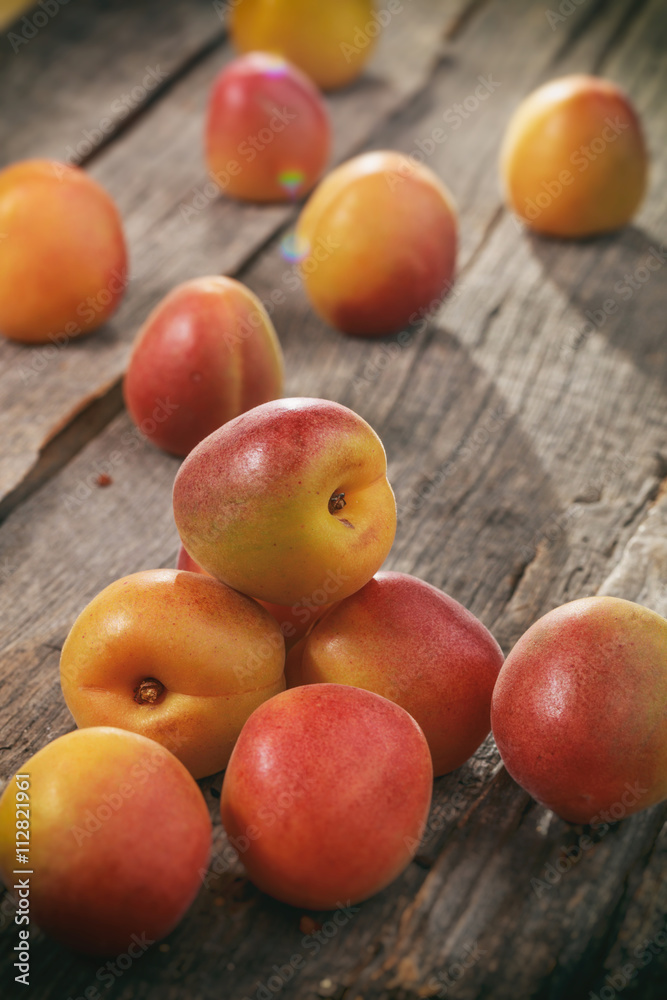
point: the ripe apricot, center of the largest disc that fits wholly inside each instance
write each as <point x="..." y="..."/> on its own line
<point x="573" y="159"/>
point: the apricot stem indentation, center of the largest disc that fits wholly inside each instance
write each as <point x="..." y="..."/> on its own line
<point x="337" y="502"/>
<point x="148" y="691"/>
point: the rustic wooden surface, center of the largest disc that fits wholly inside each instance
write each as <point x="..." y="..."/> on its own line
<point x="527" y="449"/>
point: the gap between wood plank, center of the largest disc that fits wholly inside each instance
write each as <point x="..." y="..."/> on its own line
<point x="181" y="71"/>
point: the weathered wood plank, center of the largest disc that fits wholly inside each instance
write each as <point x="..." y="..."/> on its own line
<point x="542" y="460"/>
<point x="176" y="230"/>
<point x="89" y="64"/>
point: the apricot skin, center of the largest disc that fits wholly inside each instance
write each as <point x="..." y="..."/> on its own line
<point x="294" y="621"/>
<point x="207" y="352"/>
<point x="63" y="261"/>
<point x="415" y="645"/>
<point x="579" y="710"/>
<point x="217" y="654"/>
<point x="378" y="239"/>
<point x="118" y="834"/>
<point x="268" y="136"/>
<point x="573" y="161"/>
<point x="251" y="502"/>
<point x="327" y="39"/>
<point x="331" y="786"/>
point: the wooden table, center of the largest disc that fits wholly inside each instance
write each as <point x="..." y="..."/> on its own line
<point x="527" y="439"/>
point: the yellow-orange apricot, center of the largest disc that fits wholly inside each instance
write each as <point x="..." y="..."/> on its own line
<point x="573" y="159"/>
<point x="177" y="657"/>
<point x="289" y="502"/>
<point x="63" y="262"/>
<point x="118" y="833"/>
<point x="330" y="40"/>
<point x="377" y="240"/>
<point x="294" y="621"/>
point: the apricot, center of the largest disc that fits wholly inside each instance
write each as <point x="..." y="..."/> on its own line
<point x="63" y="262"/>
<point x="175" y="656"/>
<point x="268" y="136"/>
<point x="118" y="834"/>
<point x="207" y="352"/>
<point x="579" y="711"/>
<point x="330" y="40"/>
<point x="415" y="645"/>
<point x="573" y="159"/>
<point x="187" y="563"/>
<point x="294" y="622"/>
<point x="378" y="244"/>
<point x="288" y="503"/>
<point x="329" y="787"/>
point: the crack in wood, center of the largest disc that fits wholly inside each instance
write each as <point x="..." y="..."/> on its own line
<point x="463" y="21"/>
<point x="86" y="424"/>
<point x="517" y="575"/>
<point x="649" y="498"/>
<point x="122" y="125"/>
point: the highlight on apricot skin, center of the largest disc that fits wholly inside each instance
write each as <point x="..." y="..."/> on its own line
<point x="251" y="503"/>
<point x="378" y="241"/>
<point x="268" y="136"/>
<point x="330" y="40"/>
<point x="177" y="657"/>
<point x="579" y="711"/>
<point x="119" y="835"/>
<point x="411" y="643"/>
<point x="336" y="784"/>
<point x="294" y="620"/>
<point x="205" y="354"/>
<point x="574" y="161"/>
<point x="63" y="261"/>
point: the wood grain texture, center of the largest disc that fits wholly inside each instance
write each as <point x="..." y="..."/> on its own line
<point x="88" y="63"/>
<point x="528" y="456"/>
<point x="179" y="228"/>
